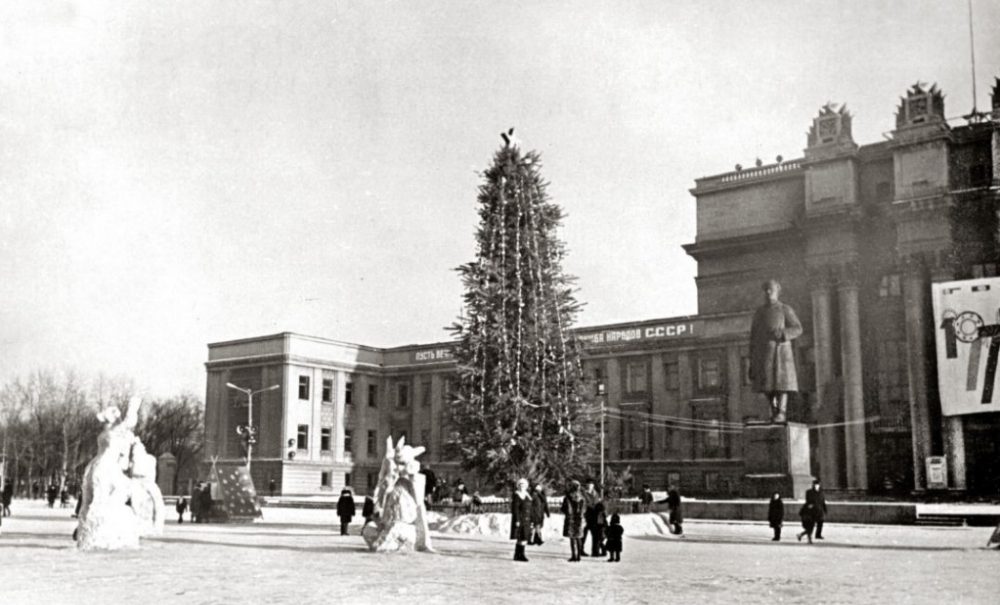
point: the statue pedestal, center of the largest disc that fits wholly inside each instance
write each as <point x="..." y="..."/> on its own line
<point x="775" y="459"/>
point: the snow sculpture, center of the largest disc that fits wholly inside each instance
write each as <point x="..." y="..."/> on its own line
<point x="106" y="520"/>
<point x="400" y="519"/>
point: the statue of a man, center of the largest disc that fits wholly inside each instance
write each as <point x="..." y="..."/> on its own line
<point x="772" y="363"/>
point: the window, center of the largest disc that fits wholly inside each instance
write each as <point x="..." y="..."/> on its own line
<point x="893" y="386"/>
<point x="889" y="286"/>
<point x="711" y="481"/>
<point x="671" y="375"/>
<point x="324" y="479"/>
<point x="635" y="376"/>
<point x="348" y="393"/>
<point x="634" y="428"/>
<point x="347" y="479"/>
<point x="425" y="393"/>
<point x="984" y="270"/>
<point x="403" y="395"/>
<point x="327" y="390"/>
<point x="373" y="395"/>
<point x="303" y="440"/>
<point x="325" y="439"/>
<point x="370" y="483"/>
<point x="709" y="375"/>
<point x="347" y="442"/>
<point x="708" y="440"/>
<point x="446" y="387"/>
<point x="745" y="370"/>
<point x="372" y="443"/>
<point x="303" y="387"/>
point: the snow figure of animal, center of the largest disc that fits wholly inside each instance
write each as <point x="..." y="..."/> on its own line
<point x="401" y="521"/>
<point x="106" y="521"/>
<point x="147" y="501"/>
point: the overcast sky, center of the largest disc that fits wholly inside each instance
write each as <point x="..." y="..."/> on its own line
<point x="179" y="173"/>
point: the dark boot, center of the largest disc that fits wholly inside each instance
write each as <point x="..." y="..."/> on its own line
<point x="572" y="550"/>
<point x="519" y="553"/>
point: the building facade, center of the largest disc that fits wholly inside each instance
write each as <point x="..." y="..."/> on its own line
<point x="856" y="234"/>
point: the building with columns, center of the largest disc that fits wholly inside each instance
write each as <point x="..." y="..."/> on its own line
<point x="856" y="234"/>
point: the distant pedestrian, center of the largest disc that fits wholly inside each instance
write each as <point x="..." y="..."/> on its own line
<point x="539" y="511"/>
<point x="776" y="515"/>
<point x="272" y="486"/>
<point x="181" y="507"/>
<point x="645" y="499"/>
<point x="573" y="507"/>
<point x="477" y="502"/>
<point x="808" y="523"/>
<point x="51" y="494"/>
<point x="196" y="504"/>
<point x="368" y="509"/>
<point x="675" y="510"/>
<point x="64" y="498"/>
<point x="5" y="498"/>
<point x="345" y="509"/>
<point x="615" y="532"/>
<point x="595" y="520"/>
<point x="520" y="519"/>
<point x="816" y="499"/>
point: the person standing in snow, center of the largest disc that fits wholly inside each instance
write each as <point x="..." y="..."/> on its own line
<point x="520" y="519"/>
<point x="573" y="507"/>
<point x="345" y="510"/>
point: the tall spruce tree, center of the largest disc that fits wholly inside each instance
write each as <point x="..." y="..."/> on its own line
<point x="519" y="408"/>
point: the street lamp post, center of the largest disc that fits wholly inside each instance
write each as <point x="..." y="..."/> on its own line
<point x="248" y="431"/>
<point x="600" y="395"/>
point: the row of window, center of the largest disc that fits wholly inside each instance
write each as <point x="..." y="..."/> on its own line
<point x="708" y="377"/>
<point x="402" y="392"/>
<point x="326" y="440"/>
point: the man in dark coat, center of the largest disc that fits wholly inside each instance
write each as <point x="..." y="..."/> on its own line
<point x="573" y="507"/>
<point x="816" y="503"/>
<point x="595" y="520"/>
<point x="675" y="511"/>
<point x="772" y="362"/>
<point x="776" y="515"/>
<point x="345" y="510"/>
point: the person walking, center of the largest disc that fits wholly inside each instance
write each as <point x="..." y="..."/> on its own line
<point x="51" y="493"/>
<point x="573" y="507"/>
<point x="675" y="511"/>
<point x="615" y="533"/>
<point x="595" y="519"/>
<point x="816" y="500"/>
<point x="776" y="515"/>
<point x="345" y="509"/>
<point x="181" y="508"/>
<point x="520" y="519"/>
<point x="539" y="511"/>
<point x="808" y="523"/>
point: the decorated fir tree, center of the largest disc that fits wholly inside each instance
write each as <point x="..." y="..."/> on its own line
<point x="518" y="408"/>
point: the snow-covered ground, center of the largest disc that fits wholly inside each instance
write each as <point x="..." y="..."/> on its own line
<point x="296" y="556"/>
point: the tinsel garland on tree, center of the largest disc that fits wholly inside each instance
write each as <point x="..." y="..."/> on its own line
<point x="518" y="408"/>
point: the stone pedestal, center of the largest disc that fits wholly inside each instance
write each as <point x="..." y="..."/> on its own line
<point x="775" y="459"/>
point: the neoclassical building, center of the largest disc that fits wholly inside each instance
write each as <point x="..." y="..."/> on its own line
<point x="855" y="233"/>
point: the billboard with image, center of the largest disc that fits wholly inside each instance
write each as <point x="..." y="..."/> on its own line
<point x="967" y="343"/>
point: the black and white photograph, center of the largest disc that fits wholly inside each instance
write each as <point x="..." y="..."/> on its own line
<point x="425" y="301"/>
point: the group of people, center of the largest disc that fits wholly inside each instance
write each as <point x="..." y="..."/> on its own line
<point x="346" y="509"/>
<point x="812" y="514"/>
<point x="583" y="515"/>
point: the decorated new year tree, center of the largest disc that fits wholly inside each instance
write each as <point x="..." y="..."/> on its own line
<point x="519" y="408"/>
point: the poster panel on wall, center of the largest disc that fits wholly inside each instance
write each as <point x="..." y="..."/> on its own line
<point x="967" y="342"/>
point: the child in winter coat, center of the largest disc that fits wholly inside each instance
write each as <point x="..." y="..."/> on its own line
<point x="613" y="536"/>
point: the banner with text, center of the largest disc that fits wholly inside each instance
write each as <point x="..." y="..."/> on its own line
<point x="637" y="333"/>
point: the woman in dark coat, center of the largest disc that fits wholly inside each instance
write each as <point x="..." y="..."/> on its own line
<point x="614" y="534"/>
<point x="345" y="510"/>
<point x="573" y="506"/>
<point x="776" y="515"/>
<point x="520" y="519"/>
<point x="539" y="510"/>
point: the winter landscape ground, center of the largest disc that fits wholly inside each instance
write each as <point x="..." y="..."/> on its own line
<point x="295" y="556"/>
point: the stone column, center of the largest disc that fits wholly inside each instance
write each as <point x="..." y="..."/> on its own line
<point x="914" y="302"/>
<point x="854" y="403"/>
<point x="829" y="446"/>
<point x="952" y="427"/>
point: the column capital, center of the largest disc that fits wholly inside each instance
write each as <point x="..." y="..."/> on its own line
<point x="821" y="277"/>
<point x="848" y="274"/>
